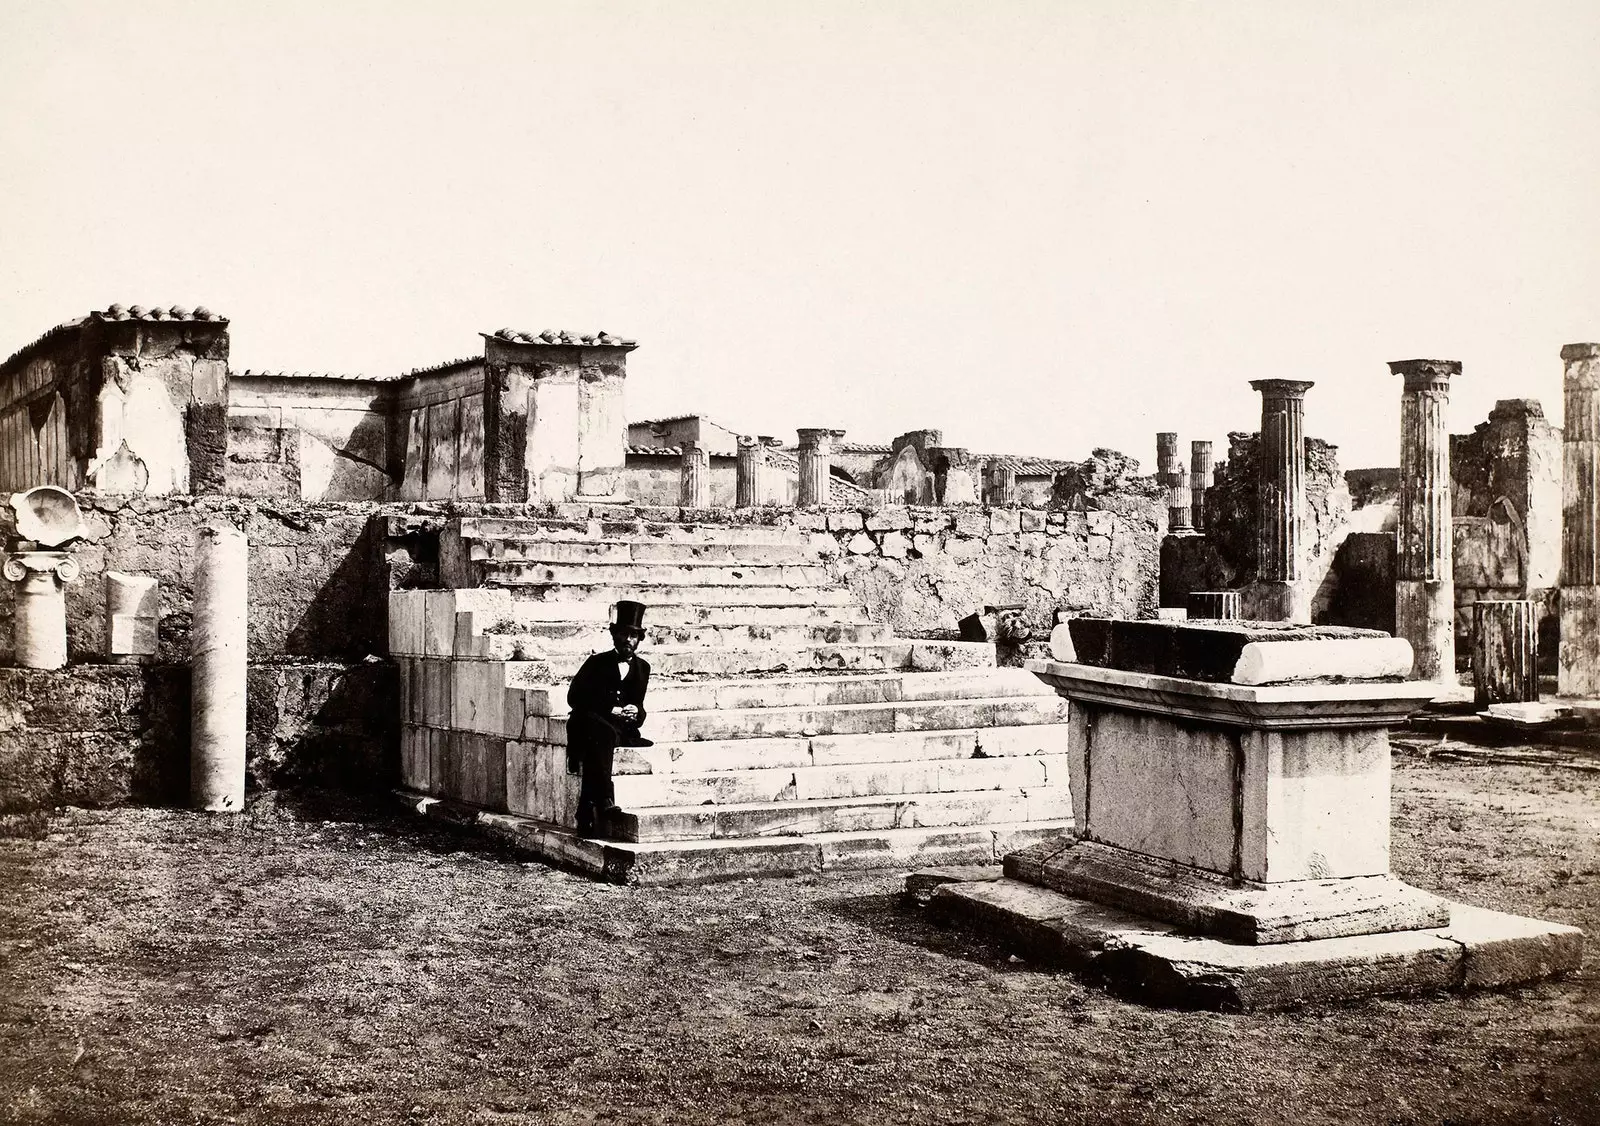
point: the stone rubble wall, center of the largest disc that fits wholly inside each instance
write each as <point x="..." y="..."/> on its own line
<point x="924" y="569"/>
<point x="318" y="575"/>
<point x="103" y="735"/>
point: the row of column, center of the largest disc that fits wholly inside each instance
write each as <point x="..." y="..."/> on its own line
<point x="1425" y="580"/>
<point x="1186" y="489"/>
<point x="752" y="485"/>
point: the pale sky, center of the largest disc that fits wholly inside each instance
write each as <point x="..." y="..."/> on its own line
<point x="1039" y="226"/>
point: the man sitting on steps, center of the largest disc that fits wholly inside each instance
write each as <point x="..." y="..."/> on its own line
<point x="607" y="702"/>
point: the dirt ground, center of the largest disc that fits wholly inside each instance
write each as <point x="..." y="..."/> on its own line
<point x="341" y="965"/>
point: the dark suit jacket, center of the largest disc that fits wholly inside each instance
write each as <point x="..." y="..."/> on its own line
<point x="595" y="690"/>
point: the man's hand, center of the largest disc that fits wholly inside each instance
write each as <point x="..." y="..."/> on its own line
<point x="629" y="712"/>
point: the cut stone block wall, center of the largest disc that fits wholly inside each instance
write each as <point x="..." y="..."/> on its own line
<point x="101" y="735"/>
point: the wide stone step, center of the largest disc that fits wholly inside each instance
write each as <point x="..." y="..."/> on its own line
<point x="854" y="719"/>
<point x="877" y="748"/>
<point x="589" y="637"/>
<point x="690" y="613"/>
<point x="528" y="528"/>
<point x="815" y="691"/>
<point x="677" y="862"/>
<point x="703" y="594"/>
<point x="843" y="815"/>
<point x="704" y="860"/>
<point x="507" y="573"/>
<point x="643" y="551"/>
<point x="674" y="661"/>
<point x="809" y="783"/>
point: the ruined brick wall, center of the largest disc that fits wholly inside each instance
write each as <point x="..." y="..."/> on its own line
<point x="312" y="437"/>
<point x="122" y="400"/>
<point x="439" y="433"/>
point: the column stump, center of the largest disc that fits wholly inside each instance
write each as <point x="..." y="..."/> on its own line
<point x="1505" y="651"/>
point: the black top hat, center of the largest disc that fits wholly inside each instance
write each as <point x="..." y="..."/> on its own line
<point x="629" y="616"/>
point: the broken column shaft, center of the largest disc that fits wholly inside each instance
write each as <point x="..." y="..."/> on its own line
<point x="816" y="451"/>
<point x="218" y="639"/>
<point x="39" y="610"/>
<point x="1578" y="659"/>
<point x="694" y="490"/>
<point x="1424" y="592"/>
<point x="1199" y="482"/>
<point x="1281" y="501"/>
<point x="752" y="464"/>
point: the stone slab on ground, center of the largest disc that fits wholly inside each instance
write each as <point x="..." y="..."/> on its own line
<point x="1149" y="961"/>
<point x="1237" y="910"/>
<point x="921" y="884"/>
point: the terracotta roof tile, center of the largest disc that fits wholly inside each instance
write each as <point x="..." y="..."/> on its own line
<point x="251" y="373"/>
<point x="157" y="313"/>
<point x="464" y="361"/>
<point x="570" y="339"/>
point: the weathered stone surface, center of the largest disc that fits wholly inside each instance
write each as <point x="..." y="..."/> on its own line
<point x="1505" y="646"/>
<point x="1239" y="910"/>
<point x="1201" y="650"/>
<point x="1151" y="962"/>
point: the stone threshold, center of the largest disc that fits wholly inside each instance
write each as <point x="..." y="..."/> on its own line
<point x="1145" y="960"/>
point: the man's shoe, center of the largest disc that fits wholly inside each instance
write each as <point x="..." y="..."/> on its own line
<point x="605" y="822"/>
<point x="639" y="741"/>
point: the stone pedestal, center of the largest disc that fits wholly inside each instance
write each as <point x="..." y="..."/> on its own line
<point x="1199" y="482"/>
<point x="1425" y="582"/>
<point x="694" y="489"/>
<point x="1579" y="655"/>
<point x="1230" y="841"/>
<point x="1278" y="593"/>
<point x="1505" y="651"/>
<point x="39" y="611"/>
<point x="816" y="451"/>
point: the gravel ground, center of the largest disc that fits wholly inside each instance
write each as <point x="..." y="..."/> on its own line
<point x="333" y="964"/>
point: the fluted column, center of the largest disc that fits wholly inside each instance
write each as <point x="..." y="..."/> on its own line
<point x="1425" y="591"/>
<point x="1579" y="654"/>
<point x="1000" y="490"/>
<point x="1170" y="474"/>
<point x="752" y="461"/>
<point x="1199" y="482"/>
<point x="694" y="489"/>
<point x="816" y="451"/>
<point x="1281" y="502"/>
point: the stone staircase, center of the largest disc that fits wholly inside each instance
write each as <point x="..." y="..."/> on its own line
<point x="792" y="733"/>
